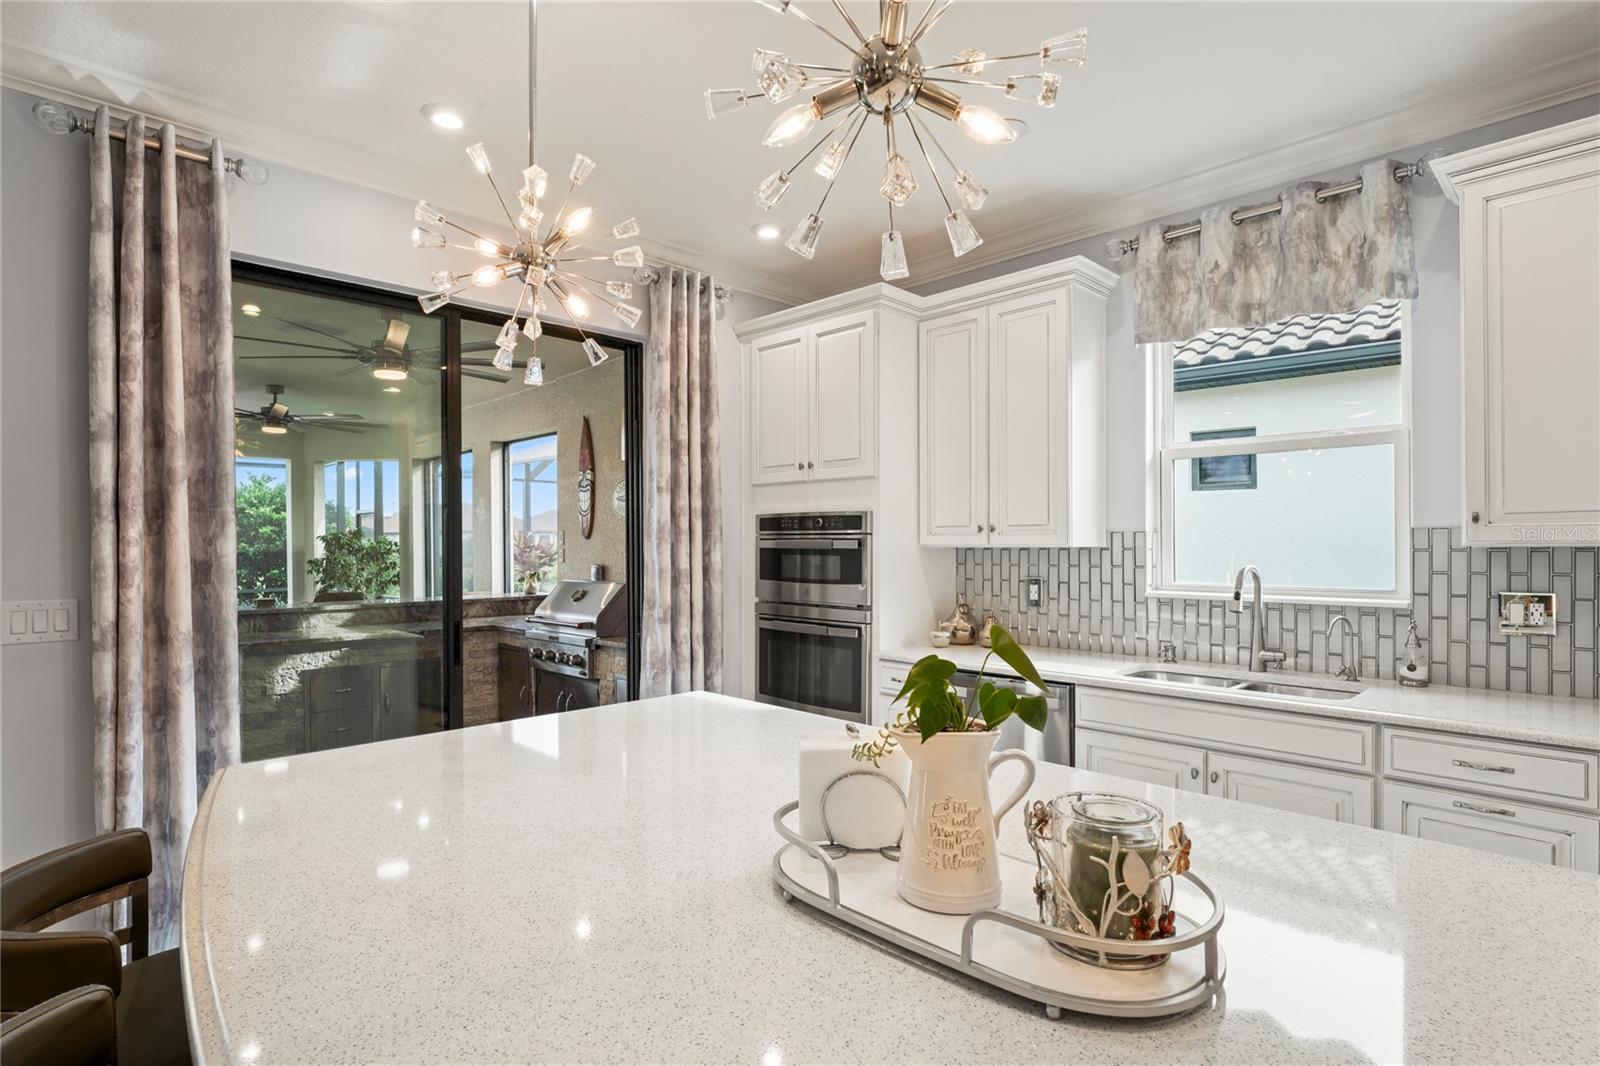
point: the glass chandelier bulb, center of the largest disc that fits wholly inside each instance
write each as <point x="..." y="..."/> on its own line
<point x="832" y="159"/>
<point x="1049" y="87"/>
<point x="971" y="61"/>
<point x="790" y="126"/>
<point x="620" y="289"/>
<point x="485" y="276"/>
<point x="772" y="189"/>
<point x="582" y="167"/>
<point x="628" y="314"/>
<point x="984" y="125"/>
<point x="973" y="193"/>
<point x="426" y="212"/>
<point x="777" y="76"/>
<point x="892" y="260"/>
<point x="534" y="180"/>
<point x="628" y="227"/>
<point x="426" y="238"/>
<point x="485" y="246"/>
<point x="1067" y="49"/>
<point x="504" y="357"/>
<point x="576" y="305"/>
<point x="898" y="182"/>
<point x="803" y="241"/>
<point x="479" y="157"/>
<point x="963" y="238"/>
<point x="720" y="102"/>
<point x="533" y="329"/>
<point x="441" y="280"/>
<point x="592" y="349"/>
<point x="432" y="301"/>
<point x="577" y="222"/>
<point x="534" y="375"/>
<point x="631" y="256"/>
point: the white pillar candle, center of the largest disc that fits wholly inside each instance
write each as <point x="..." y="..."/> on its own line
<point x="862" y="813"/>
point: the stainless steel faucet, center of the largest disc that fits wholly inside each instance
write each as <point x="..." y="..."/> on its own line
<point x="1351" y="670"/>
<point x="1260" y="657"/>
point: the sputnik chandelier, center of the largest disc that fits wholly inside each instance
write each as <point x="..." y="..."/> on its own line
<point x="885" y="77"/>
<point x="538" y="255"/>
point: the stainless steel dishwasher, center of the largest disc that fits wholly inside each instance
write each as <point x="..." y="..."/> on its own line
<point x="1055" y="743"/>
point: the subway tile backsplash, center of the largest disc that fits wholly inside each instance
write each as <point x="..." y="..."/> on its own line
<point x="1094" y="601"/>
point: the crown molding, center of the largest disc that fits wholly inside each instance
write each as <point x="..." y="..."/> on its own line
<point x="1413" y="124"/>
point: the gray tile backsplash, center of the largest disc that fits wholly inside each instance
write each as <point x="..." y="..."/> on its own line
<point x="1095" y="601"/>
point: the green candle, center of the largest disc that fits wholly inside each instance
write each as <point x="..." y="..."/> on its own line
<point x="1086" y="826"/>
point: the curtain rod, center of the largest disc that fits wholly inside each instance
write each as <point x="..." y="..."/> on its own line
<point x="1117" y="247"/>
<point x="58" y="118"/>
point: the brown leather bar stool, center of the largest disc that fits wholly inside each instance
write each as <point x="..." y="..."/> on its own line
<point x="36" y="966"/>
<point x="77" y="1028"/>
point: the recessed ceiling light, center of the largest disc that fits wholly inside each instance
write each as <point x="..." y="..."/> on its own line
<point x="272" y="429"/>
<point x="767" y="231"/>
<point x="391" y="388"/>
<point x="446" y="118"/>
<point x="251" y="310"/>
<point x="390" y="373"/>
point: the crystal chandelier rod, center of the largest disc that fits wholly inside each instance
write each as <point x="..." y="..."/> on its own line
<point x="573" y="278"/>
<point x="937" y="184"/>
<point x="803" y="17"/>
<point x="930" y="23"/>
<point x="561" y="298"/>
<point x="814" y="66"/>
<point x="502" y="200"/>
<point x="533" y="81"/>
<point x="923" y="21"/>
<point x="987" y="60"/>
<point x="861" y="125"/>
<point x="848" y="21"/>
<point x="826" y="137"/>
<point x="950" y="162"/>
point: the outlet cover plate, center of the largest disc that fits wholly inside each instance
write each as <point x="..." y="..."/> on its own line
<point x="1527" y="612"/>
<point x="39" y="621"/>
<point x="1033" y="592"/>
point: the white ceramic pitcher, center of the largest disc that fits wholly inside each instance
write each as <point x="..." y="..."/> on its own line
<point x="948" y="859"/>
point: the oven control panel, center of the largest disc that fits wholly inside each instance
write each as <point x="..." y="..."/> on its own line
<point x="833" y="522"/>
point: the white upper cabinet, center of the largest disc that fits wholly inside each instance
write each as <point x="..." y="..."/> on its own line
<point x="1530" y="269"/>
<point x="953" y="386"/>
<point x="813" y="401"/>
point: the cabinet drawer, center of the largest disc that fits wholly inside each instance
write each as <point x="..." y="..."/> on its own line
<point x="1275" y="734"/>
<point x="1155" y="762"/>
<point x="891" y="678"/>
<point x="1500" y="767"/>
<point x="339" y="729"/>
<point x="1330" y="794"/>
<point x="1505" y="827"/>
<point x="338" y="688"/>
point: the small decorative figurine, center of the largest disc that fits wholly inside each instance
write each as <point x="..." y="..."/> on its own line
<point x="961" y="625"/>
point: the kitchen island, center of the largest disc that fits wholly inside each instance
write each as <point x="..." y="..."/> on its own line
<point x="596" y="886"/>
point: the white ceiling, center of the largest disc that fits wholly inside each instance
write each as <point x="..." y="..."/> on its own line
<point x="1181" y="103"/>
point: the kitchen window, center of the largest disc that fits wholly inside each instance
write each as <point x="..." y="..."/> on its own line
<point x="532" y="537"/>
<point x="1286" y="447"/>
<point x="261" y="517"/>
<point x="433" y="520"/>
<point x="362" y="494"/>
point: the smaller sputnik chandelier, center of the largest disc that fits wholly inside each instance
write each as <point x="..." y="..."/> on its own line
<point x="538" y="256"/>
<point x="886" y="76"/>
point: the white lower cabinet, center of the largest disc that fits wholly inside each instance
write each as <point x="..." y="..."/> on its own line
<point x="1327" y="794"/>
<point x="1155" y="762"/>
<point x="1503" y="826"/>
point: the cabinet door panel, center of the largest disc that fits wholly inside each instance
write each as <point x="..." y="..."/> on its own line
<point x="954" y="406"/>
<point x="778" y="429"/>
<point x="1154" y="762"/>
<point x="844" y="398"/>
<point x="1554" y="838"/>
<point x="1300" y="789"/>
<point x="1028" y="419"/>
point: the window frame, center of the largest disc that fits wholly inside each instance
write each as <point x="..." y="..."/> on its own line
<point x="1163" y="452"/>
<point x="508" y="566"/>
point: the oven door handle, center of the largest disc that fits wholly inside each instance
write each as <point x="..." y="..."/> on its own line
<point x="785" y="626"/>
<point x="810" y="542"/>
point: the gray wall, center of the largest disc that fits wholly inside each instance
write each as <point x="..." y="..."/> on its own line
<point x="46" y="798"/>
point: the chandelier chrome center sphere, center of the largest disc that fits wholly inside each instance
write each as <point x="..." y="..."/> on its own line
<point x="887" y="78"/>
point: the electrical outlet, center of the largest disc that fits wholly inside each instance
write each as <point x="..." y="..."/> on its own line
<point x="1033" y="592"/>
<point x="1527" y="612"/>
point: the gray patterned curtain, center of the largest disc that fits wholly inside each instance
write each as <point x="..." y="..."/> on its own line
<point x="683" y="491"/>
<point x="164" y="629"/>
<point x="1314" y="257"/>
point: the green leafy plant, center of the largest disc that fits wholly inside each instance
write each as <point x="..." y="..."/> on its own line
<point x="351" y="561"/>
<point x="932" y="704"/>
<point x="261" y="509"/>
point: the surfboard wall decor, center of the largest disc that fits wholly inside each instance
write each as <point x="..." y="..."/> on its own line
<point x="586" y="481"/>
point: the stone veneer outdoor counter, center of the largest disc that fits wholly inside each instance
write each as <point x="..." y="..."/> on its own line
<point x="597" y="885"/>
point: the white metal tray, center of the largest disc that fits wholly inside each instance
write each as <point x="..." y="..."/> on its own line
<point x="1005" y="947"/>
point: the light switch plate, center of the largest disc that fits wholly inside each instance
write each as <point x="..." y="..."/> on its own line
<point x="39" y="621"/>
<point x="1527" y="612"/>
<point x="1033" y="592"/>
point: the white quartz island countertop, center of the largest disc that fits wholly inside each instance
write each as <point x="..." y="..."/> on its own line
<point x="1539" y="719"/>
<point x="597" y="886"/>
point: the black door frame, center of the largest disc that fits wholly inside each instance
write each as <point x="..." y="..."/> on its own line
<point x="450" y="318"/>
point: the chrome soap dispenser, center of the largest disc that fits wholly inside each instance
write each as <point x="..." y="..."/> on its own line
<point x="1413" y="663"/>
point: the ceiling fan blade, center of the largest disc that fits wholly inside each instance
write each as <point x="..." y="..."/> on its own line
<point x="314" y="329"/>
<point x="239" y="412"/>
<point x="329" y="418"/>
<point x="334" y="426"/>
<point x="349" y="350"/>
<point x="395" y="339"/>
<point x="480" y="346"/>
<point x="484" y="375"/>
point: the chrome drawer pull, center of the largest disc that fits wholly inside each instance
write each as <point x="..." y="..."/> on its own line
<point x="1502" y="811"/>
<point x="1483" y="766"/>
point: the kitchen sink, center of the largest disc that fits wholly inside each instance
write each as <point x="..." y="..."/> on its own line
<point x="1278" y="688"/>
<point x="1234" y="684"/>
<point x="1176" y="677"/>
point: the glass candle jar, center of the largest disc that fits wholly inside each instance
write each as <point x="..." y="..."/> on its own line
<point x="1087" y="829"/>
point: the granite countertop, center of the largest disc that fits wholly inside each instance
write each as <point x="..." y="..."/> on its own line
<point x="428" y="922"/>
<point x="1572" y="723"/>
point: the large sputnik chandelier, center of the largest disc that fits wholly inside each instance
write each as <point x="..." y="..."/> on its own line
<point x="885" y="77"/>
<point x="538" y="256"/>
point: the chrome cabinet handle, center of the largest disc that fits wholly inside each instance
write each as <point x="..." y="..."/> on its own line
<point x="1504" y="812"/>
<point x="1214" y="777"/>
<point x="386" y="705"/>
<point x="1194" y="773"/>
<point x="809" y="464"/>
<point x="980" y="528"/>
<point x="1483" y="766"/>
<point x="342" y="691"/>
<point x="799" y="466"/>
<point x="991" y="529"/>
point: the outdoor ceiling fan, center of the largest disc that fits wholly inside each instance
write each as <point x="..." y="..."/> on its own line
<point x="276" y="418"/>
<point x="388" y="357"/>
